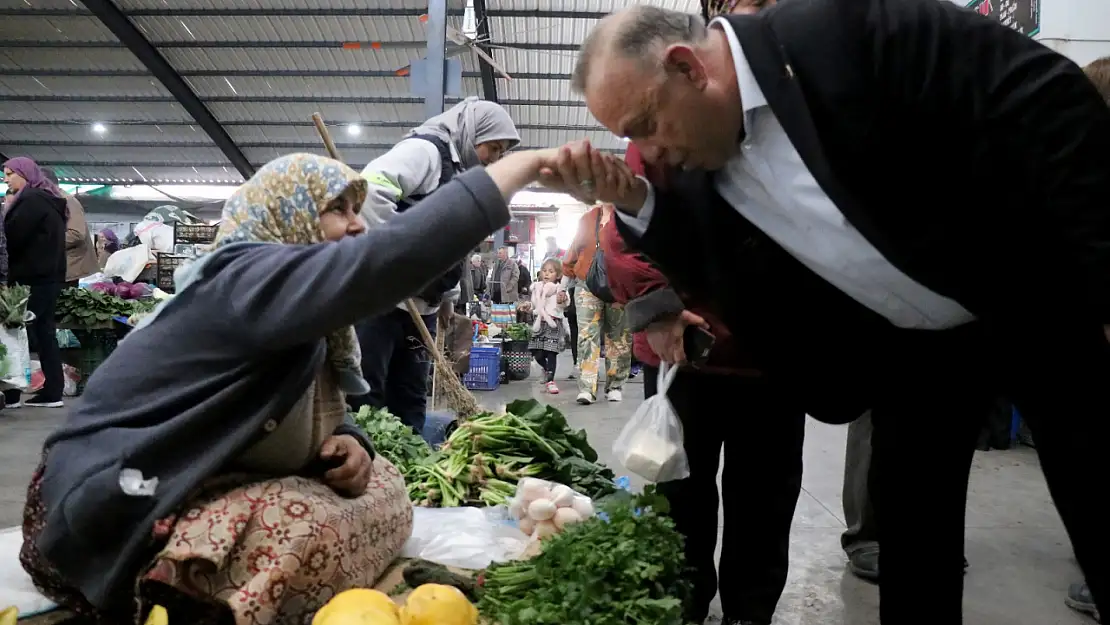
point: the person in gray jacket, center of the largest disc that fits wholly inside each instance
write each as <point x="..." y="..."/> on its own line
<point x="256" y="340"/>
<point x="504" y="279"/>
<point x="394" y="359"/>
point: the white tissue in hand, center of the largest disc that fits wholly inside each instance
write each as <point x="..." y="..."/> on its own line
<point x="132" y="483"/>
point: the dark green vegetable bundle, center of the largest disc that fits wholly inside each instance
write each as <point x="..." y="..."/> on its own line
<point x="480" y="464"/>
<point x="575" y="463"/>
<point x="624" y="566"/>
<point x="518" y="331"/>
<point x="394" y="440"/>
<point x="485" y="457"/>
<point x="89" y="308"/>
<point x="482" y="461"/>
<point x="13" y="305"/>
<point x="420" y="572"/>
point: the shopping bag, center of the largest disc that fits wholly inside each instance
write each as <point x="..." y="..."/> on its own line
<point x="503" y="314"/>
<point x="17" y="359"/>
<point x="650" y="445"/>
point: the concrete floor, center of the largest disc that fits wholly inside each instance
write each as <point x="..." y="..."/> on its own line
<point x="1020" y="557"/>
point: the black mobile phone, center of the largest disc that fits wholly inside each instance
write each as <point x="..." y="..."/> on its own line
<point x="697" y="343"/>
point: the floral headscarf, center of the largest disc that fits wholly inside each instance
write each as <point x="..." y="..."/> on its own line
<point x="282" y="204"/>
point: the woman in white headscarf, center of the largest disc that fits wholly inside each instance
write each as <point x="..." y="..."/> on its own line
<point x="471" y="133"/>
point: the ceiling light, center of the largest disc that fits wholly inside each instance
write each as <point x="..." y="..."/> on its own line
<point x="99" y="128"/>
<point x="353" y="130"/>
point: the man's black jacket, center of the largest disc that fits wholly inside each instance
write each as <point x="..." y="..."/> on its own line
<point x="974" y="158"/>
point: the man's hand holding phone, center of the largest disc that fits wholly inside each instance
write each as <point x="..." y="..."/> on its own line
<point x="666" y="336"/>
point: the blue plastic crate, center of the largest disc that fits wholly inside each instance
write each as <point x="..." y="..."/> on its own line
<point x="485" y="368"/>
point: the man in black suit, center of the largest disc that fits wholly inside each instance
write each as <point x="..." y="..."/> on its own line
<point x="879" y="195"/>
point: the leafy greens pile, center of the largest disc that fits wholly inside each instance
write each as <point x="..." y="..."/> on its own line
<point x="518" y="331"/>
<point x="482" y="460"/>
<point x="88" y="308"/>
<point x="624" y="566"/>
<point x="13" y="305"/>
<point x="394" y="440"/>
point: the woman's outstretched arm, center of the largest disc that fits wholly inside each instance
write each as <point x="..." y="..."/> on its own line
<point x="272" y="297"/>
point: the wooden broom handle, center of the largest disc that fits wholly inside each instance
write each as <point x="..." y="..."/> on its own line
<point x="326" y="136"/>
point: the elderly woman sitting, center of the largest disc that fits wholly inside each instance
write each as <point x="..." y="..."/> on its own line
<point x="212" y="467"/>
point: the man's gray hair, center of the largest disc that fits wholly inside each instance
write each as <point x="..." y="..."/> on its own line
<point x="636" y="33"/>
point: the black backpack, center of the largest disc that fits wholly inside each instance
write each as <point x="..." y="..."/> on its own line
<point x="433" y="293"/>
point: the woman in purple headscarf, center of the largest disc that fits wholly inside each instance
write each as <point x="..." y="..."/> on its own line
<point x="35" y="227"/>
<point x="107" y="243"/>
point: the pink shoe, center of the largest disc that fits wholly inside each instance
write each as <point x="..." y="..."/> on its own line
<point x="551" y="388"/>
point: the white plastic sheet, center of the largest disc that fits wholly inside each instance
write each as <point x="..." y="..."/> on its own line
<point x="15" y="585"/>
<point x="465" y="538"/>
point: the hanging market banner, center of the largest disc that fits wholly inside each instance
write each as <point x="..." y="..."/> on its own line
<point x="1023" y="16"/>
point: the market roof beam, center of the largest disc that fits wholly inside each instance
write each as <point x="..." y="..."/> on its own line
<point x="273" y="99"/>
<point x="271" y="122"/>
<point x="435" y="60"/>
<point x="254" y="73"/>
<point x="489" y="82"/>
<point x="281" y="145"/>
<point x="180" y="165"/>
<point x="275" y="44"/>
<point x="307" y="12"/>
<point x="129" y="35"/>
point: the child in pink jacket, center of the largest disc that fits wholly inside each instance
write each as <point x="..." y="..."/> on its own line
<point x="548" y="303"/>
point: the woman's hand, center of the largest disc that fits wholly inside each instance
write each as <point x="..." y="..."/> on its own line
<point x="576" y="169"/>
<point x="353" y="475"/>
<point x="591" y="175"/>
<point x="517" y="170"/>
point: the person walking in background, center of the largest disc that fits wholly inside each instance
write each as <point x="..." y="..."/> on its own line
<point x="477" y="271"/>
<point x="596" y="318"/>
<point x="504" y="279"/>
<point x="547" y="329"/>
<point x="107" y="243"/>
<point x="861" y="540"/>
<point x="80" y="253"/>
<point x="569" y="313"/>
<point x="35" y="227"/>
<point x="466" y="291"/>
<point x="524" y="279"/>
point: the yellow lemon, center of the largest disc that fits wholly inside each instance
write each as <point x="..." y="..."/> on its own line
<point x="375" y="605"/>
<point x="366" y="616"/>
<point x="157" y="616"/>
<point x="436" y="604"/>
<point x="9" y="616"/>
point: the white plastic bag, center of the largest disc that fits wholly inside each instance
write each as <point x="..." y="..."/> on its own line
<point x="465" y="538"/>
<point x="650" y="445"/>
<point x="17" y="373"/>
<point x="128" y="263"/>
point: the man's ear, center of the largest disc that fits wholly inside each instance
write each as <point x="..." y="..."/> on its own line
<point x="681" y="60"/>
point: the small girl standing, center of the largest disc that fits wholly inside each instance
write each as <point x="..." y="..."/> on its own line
<point x="547" y="330"/>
